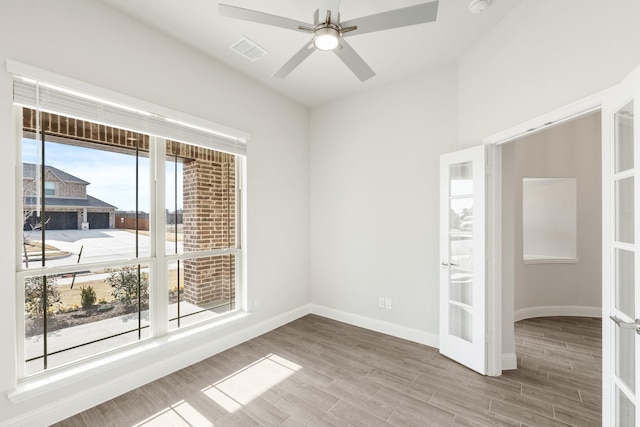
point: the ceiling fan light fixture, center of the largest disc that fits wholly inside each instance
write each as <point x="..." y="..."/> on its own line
<point x="326" y="38"/>
<point x="478" y="6"/>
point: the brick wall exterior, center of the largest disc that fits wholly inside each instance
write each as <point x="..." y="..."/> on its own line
<point x="209" y="203"/>
<point x="209" y="223"/>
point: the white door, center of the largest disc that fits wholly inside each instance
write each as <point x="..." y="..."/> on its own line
<point x="462" y="252"/>
<point x="621" y="254"/>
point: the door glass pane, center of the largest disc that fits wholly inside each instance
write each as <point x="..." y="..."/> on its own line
<point x="461" y="214"/>
<point x="461" y="179"/>
<point x="625" y="356"/>
<point x="461" y="250"/>
<point x="624" y="210"/>
<point x="624" y="138"/>
<point x="625" y="282"/>
<point x="625" y="411"/>
<point x="461" y="286"/>
<point x="460" y="322"/>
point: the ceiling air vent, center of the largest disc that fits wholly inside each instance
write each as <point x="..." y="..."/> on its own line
<point x="248" y="49"/>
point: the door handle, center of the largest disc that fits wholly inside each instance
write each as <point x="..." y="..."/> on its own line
<point x="627" y="325"/>
<point x="446" y="265"/>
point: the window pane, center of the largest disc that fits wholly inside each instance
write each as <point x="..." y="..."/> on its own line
<point x="201" y="288"/>
<point x="201" y="196"/>
<point x="49" y="188"/>
<point x="86" y="313"/>
<point x="174" y="208"/>
<point x="89" y="202"/>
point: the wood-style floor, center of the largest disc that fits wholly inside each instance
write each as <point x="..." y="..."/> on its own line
<point x="319" y="372"/>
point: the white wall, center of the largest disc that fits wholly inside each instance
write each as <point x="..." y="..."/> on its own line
<point x="374" y="199"/>
<point x="366" y="186"/>
<point x="85" y="40"/>
<point x="545" y="54"/>
<point x="570" y="150"/>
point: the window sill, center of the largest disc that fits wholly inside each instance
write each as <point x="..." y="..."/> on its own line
<point x="177" y="341"/>
<point x="542" y="259"/>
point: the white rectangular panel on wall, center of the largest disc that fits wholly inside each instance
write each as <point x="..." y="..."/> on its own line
<point x="549" y="219"/>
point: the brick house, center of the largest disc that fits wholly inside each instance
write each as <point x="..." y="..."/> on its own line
<point x="67" y="204"/>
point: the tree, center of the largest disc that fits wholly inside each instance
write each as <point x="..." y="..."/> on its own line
<point x="124" y="285"/>
<point x="87" y="297"/>
<point x="33" y="295"/>
<point x="26" y="217"/>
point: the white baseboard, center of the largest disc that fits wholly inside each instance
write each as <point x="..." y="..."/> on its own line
<point x="381" y="326"/>
<point x="509" y="361"/>
<point x="159" y="360"/>
<point x="556" y="310"/>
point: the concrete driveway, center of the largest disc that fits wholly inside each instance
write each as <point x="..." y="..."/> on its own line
<point x="97" y="245"/>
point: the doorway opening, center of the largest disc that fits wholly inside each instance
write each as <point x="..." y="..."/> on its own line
<point x="548" y="296"/>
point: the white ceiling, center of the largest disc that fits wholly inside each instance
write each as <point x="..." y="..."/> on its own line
<point x="392" y="54"/>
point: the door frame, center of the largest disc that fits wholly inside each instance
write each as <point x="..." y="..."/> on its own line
<point x="496" y="360"/>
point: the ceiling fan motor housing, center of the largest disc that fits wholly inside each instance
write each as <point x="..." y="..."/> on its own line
<point x="326" y="36"/>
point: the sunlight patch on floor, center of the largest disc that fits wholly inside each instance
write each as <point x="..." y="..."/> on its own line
<point x="179" y="415"/>
<point x="248" y="383"/>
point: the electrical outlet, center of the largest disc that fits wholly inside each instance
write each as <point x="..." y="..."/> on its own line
<point x="256" y="305"/>
<point x="387" y="303"/>
<point x="381" y="302"/>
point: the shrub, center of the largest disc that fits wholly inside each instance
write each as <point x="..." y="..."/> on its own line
<point x="124" y="285"/>
<point x="87" y="297"/>
<point x="33" y="302"/>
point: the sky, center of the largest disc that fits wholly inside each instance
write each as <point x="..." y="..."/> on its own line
<point x="111" y="175"/>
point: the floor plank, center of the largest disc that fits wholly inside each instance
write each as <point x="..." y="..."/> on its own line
<point x="319" y="372"/>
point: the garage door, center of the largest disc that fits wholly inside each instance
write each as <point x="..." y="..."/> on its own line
<point x="56" y="221"/>
<point x="98" y="220"/>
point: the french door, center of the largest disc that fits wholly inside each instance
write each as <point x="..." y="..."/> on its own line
<point x="621" y="254"/>
<point x="462" y="251"/>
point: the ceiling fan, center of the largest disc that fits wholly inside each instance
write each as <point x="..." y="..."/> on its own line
<point x="329" y="33"/>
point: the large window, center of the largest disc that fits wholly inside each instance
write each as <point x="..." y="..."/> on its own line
<point x="127" y="234"/>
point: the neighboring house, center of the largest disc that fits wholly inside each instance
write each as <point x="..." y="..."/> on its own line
<point x="67" y="204"/>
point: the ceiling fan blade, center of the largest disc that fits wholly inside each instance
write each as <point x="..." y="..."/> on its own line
<point x="261" y="17"/>
<point x="295" y="60"/>
<point x="355" y="63"/>
<point x="412" y="15"/>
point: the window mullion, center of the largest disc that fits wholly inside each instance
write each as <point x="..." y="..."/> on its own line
<point x="159" y="310"/>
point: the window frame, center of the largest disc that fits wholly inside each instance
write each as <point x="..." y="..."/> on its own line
<point x="158" y="260"/>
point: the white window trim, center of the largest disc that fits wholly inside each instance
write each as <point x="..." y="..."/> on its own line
<point x="161" y="338"/>
<point x="124" y="103"/>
